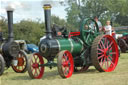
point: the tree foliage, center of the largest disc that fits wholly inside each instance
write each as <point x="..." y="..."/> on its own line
<point x="115" y="10"/>
<point x="28" y="30"/>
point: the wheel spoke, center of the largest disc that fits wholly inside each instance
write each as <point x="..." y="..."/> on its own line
<point x="65" y="70"/>
<point x="35" y="58"/>
<point x="35" y="73"/>
<point x="110" y="49"/>
<point x="100" y="53"/>
<point x="100" y="56"/>
<point x="102" y="44"/>
<point x="111" y="62"/>
<point x="103" y="62"/>
<point x="110" y="44"/>
<point x="101" y="50"/>
<point x="107" y="63"/>
<point x="110" y="57"/>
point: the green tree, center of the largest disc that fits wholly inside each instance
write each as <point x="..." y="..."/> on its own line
<point x="28" y="30"/>
<point x="78" y="10"/>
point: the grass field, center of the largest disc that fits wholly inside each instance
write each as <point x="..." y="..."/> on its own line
<point x="91" y="77"/>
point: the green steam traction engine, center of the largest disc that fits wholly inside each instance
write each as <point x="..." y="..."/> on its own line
<point x="75" y="52"/>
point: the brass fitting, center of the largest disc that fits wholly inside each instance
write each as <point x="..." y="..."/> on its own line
<point x="47" y="7"/>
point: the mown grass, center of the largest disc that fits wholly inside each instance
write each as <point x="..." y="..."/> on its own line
<point x="91" y="77"/>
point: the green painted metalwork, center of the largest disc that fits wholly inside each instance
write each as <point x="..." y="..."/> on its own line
<point x="121" y="30"/>
<point x="71" y="45"/>
<point x="124" y="34"/>
<point x="88" y="34"/>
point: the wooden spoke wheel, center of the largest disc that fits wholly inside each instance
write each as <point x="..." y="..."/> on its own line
<point x="104" y="53"/>
<point x="22" y="63"/>
<point x="2" y="65"/>
<point x="65" y="64"/>
<point x="34" y="70"/>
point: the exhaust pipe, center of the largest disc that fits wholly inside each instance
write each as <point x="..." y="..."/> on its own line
<point x="10" y="24"/>
<point x="47" y="13"/>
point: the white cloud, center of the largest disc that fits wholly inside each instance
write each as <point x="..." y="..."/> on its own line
<point x="2" y="11"/>
<point x="30" y="10"/>
<point x="15" y="5"/>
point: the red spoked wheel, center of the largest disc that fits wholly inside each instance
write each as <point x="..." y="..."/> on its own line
<point x="104" y="53"/>
<point x="65" y="64"/>
<point x="34" y="70"/>
<point x="22" y="63"/>
<point x="81" y="69"/>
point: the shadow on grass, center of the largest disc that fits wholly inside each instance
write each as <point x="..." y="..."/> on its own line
<point x="47" y="75"/>
<point x="21" y="78"/>
<point x="89" y="71"/>
<point x="53" y="74"/>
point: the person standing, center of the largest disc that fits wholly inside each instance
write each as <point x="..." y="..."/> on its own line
<point x="93" y="26"/>
<point x="98" y="23"/>
<point x="108" y="28"/>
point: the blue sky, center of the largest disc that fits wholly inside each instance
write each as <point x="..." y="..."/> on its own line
<point x="31" y="9"/>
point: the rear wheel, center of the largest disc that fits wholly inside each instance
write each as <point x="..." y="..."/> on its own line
<point x="104" y="53"/>
<point x="2" y="65"/>
<point x="34" y="70"/>
<point x="65" y="64"/>
<point x="123" y="45"/>
<point x="22" y="63"/>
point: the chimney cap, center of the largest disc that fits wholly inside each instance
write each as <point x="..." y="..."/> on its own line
<point x="47" y="6"/>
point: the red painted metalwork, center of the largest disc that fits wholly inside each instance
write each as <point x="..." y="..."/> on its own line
<point x="107" y="53"/>
<point x="36" y="71"/>
<point x="66" y="64"/>
<point x="21" y="63"/>
<point x="73" y="34"/>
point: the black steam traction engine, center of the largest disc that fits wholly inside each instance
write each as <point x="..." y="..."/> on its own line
<point x="12" y="52"/>
<point x="74" y="51"/>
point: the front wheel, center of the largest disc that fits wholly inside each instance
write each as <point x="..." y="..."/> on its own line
<point x="65" y="64"/>
<point x="22" y="63"/>
<point x="2" y="65"/>
<point x="36" y="71"/>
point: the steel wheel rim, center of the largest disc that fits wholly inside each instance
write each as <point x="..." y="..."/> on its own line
<point x="37" y="71"/>
<point x="107" y="53"/>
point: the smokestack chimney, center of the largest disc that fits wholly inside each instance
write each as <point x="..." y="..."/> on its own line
<point x="10" y="24"/>
<point x="47" y="13"/>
